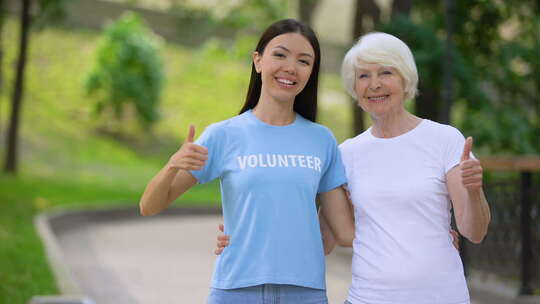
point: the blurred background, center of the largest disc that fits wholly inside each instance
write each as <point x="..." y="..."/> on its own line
<point x="96" y="95"/>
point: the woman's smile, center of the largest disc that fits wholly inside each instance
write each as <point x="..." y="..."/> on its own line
<point x="378" y="98"/>
<point x="285" y="83"/>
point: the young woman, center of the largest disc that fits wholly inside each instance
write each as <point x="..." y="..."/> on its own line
<point x="273" y="161"/>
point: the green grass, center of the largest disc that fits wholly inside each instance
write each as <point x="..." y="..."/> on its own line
<point x="66" y="160"/>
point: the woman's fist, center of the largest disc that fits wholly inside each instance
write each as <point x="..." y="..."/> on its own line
<point x="190" y="156"/>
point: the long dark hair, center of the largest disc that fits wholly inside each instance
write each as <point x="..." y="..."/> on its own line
<point x="305" y="102"/>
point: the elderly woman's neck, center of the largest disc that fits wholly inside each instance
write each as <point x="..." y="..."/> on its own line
<point x="389" y="126"/>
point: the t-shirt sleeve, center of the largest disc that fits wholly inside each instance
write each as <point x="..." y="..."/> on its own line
<point x="347" y="162"/>
<point x="454" y="148"/>
<point x="334" y="173"/>
<point x="214" y="142"/>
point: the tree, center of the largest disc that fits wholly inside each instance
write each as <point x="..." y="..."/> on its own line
<point x="128" y="71"/>
<point x="496" y="70"/>
<point x="2" y="19"/>
<point x="18" y="89"/>
<point x="444" y="116"/>
<point x="48" y="11"/>
<point x="401" y="7"/>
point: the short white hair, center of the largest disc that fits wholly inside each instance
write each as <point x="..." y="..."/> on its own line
<point x="386" y="50"/>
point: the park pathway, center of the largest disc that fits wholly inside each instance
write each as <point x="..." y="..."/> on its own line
<point x="164" y="260"/>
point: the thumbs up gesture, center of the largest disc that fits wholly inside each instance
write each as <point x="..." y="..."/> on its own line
<point x="190" y="156"/>
<point x="471" y="170"/>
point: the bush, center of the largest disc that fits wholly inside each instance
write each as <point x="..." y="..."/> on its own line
<point x="128" y="71"/>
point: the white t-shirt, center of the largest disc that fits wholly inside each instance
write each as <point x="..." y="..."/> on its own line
<point x="403" y="252"/>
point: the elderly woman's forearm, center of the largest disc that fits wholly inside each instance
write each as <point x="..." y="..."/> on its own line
<point x="476" y="217"/>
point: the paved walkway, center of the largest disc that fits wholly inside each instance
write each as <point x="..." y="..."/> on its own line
<point x="162" y="260"/>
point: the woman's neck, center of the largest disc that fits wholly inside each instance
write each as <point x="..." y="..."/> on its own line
<point x="389" y="126"/>
<point x="274" y="112"/>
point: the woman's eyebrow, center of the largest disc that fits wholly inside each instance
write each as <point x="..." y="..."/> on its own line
<point x="286" y="49"/>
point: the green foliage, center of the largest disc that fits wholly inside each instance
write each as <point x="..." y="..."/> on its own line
<point x="509" y="66"/>
<point x="128" y="70"/>
<point x="496" y="67"/>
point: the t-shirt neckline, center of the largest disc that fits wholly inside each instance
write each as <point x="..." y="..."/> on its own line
<point x="404" y="135"/>
<point x="253" y="117"/>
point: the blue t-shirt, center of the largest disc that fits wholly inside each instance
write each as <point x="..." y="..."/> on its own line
<point x="270" y="176"/>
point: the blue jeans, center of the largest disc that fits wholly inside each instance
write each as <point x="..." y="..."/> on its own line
<point x="268" y="294"/>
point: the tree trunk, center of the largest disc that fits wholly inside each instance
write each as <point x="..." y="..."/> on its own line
<point x="401" y="7"/>
<point x="364" y="8"/>
<point x="426" y="105"/>
<point x="2" y="19"/>
<point x="448" y="62"/>
<point x="18" y="89"/>
<point x="306" y="8"/>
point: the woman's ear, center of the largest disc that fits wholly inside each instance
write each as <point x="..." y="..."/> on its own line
<point x="256" y="61"/>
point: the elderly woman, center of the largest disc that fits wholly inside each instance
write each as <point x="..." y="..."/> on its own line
<point x="404" y="176"/>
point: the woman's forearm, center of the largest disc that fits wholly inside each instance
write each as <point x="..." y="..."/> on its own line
<point x="338" y="213"/>
<point x="328" y="238"/>
<point x="174" y="179"/>
<point x="476" y="217"/>
<point x="156" y="195"/>
<point x="464" y="183"/>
